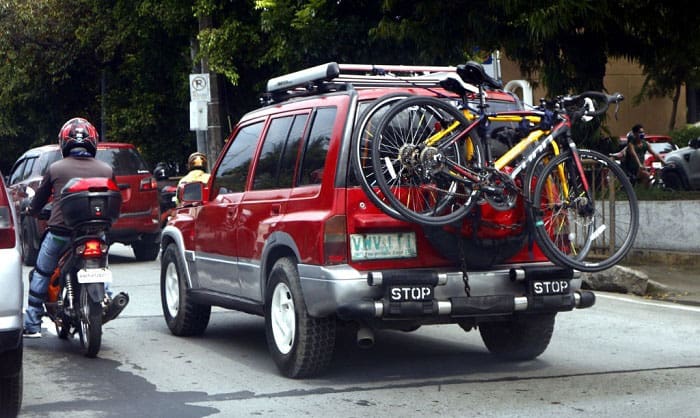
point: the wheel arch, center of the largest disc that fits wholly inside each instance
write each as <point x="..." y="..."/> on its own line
<point x="677" y="169"/>
<point x="278" y="245"/>
<point x="172" y="235"/>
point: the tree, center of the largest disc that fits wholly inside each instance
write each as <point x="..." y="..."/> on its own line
<point x="122" y="64"/>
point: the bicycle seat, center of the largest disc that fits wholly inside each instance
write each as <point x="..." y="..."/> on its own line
<point x="473" y="73"/>
<point x="455" y="85"/>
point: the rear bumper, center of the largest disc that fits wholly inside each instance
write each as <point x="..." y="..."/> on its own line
<point x="355" y="295"/>
<point x="134" y="226"/>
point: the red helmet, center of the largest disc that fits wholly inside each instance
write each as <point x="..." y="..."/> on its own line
<point x="78" y="133"/>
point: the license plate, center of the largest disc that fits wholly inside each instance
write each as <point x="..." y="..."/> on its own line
<point x="94" y="276"/>
<point x="549" y="287"/>
<point x="410" y="293"/>
<point x="382" y="246"/>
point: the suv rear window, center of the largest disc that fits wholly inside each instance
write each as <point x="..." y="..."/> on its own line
<point x="124" y="161"/>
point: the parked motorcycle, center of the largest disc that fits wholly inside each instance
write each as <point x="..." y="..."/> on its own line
<point x="77" y="302"/>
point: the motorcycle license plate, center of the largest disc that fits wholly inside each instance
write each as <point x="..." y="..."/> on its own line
<point x="94" y="276"/>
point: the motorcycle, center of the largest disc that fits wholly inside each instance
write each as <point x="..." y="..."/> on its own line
<point x="77" y="301"/>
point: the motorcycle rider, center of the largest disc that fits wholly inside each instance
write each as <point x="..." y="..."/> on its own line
<point x="78" y="142"/>
<point x="197" y="166"/>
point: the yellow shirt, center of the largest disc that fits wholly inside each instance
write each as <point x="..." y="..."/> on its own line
<point x="191" y="177"/>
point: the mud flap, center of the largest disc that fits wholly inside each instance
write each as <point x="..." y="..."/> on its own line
<point x="96" y="291"/>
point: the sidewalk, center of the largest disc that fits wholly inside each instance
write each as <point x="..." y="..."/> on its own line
<point x="673" y="276"/>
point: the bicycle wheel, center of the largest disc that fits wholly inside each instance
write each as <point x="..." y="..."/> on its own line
<point x="362" y="151"/>
<point x="422" y="155"/>
<point x="588" y="231"/>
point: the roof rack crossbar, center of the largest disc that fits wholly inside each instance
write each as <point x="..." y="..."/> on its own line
<point x="310" y="80"/>
<point x="381" y="69"/>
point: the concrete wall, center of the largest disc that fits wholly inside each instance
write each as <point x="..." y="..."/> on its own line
<point x="672" y="225"/>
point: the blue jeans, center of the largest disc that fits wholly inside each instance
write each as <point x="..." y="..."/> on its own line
<point x="52" y="247"/>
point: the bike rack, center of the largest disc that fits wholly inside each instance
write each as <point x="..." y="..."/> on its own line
<point x="336" y="77"/>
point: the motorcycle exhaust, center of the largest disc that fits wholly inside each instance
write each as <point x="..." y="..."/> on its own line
<point x="365" y="337"/>
<point x="116" y="307"/>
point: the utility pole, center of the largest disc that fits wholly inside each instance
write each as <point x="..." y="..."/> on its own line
<point x="214" y="136"/>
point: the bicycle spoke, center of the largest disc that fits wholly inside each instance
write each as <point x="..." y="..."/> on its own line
<point x="586" y="229"/>
<point x="412" y="152"/>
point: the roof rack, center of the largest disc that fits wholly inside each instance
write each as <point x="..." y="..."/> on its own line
<point x="334" y="77"/>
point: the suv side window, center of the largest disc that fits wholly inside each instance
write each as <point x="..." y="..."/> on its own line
<point x="316" y="147"/>
<point x="16" y="175"/>
<point x="275" y="168"/>
<point x="231" y="175"/>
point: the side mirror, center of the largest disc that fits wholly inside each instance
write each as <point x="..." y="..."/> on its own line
<point x="694" y="143"/>
<point x="191" y="193"/>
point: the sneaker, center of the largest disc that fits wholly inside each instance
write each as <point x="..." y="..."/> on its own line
<point x="30" y="334"/>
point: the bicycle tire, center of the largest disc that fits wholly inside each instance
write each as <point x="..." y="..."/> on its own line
<point x="416" y="184"/>
<point x="361" y="155"/>
<point x="579" y="234"/>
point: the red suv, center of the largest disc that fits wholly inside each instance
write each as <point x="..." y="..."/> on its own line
<point x="138" y="223"/>
<point x="283" y="230"/>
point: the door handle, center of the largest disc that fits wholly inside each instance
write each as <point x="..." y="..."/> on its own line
<point x="275" y="210"/>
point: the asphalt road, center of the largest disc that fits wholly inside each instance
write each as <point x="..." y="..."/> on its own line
<point x="625" y="357"/>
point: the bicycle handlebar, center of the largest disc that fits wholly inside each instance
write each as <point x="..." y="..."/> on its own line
<point x="584" y="110"/>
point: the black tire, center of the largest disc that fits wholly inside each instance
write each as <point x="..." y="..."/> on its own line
<point x="182" y="315"/>
<point x="581" y="230"/>
<point x="672" y="181"/>
<point x="416" y="182"/>
<point x="146" y="248"/>
<point x="300" y="345"/>
<point x="63" y="324"/>
<point x="90" y="330"/>
<point x="522" y="338"/>
<point x="362" y="150"/>
<point x="29" y="252"/>
<point x="11" y="382"/>
<point x="476" y="253"/>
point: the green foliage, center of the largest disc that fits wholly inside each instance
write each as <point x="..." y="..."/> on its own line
<point x="682" y="136"/>
<point x="122" y="64"/>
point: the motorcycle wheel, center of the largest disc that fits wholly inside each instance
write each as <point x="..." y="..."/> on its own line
<point x="90" y="324"/>
<point x="62" y="321"/>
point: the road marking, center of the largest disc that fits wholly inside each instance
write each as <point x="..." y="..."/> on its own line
<point x="668" y="305"/>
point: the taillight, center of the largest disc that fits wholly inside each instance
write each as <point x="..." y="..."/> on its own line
<point x="335" y="240"/>
<point x="93" y="248"/>
<point x="148" y="183"/>
<point x="7" y="228"/>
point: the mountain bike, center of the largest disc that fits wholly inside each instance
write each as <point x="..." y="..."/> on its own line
<point x="426" y="170"/>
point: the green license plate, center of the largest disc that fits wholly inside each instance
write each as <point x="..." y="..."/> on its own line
<point x="382" y="246"/>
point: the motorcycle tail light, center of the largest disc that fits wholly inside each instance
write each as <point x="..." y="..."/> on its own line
<point x="92" y="249"/>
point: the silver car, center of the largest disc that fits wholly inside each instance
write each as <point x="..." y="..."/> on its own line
<point x="11" y="301"/>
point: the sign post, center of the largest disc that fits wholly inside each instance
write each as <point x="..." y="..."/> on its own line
<point x="200" y="96"/>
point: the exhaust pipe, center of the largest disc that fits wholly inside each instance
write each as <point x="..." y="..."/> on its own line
<point x="365" y="337"/>
<point x="116" y="307"/>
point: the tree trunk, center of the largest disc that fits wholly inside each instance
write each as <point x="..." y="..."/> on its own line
<point x="674" y="109"/>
